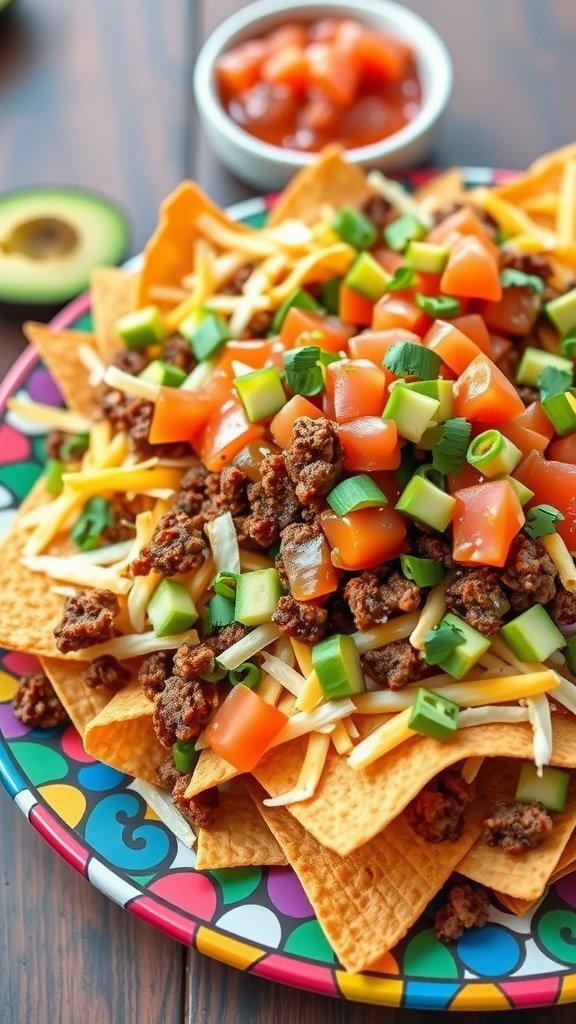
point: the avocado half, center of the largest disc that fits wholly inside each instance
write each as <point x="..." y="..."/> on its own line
<point x="50" y="240"/>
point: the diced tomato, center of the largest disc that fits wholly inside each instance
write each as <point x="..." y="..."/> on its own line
<point x="239" y="68"/>
<point x="393" y="311"/>
<point x="534" y="418"/>
<point x="515" y="312"/>
<point x="334" y="69"/>
<point x="244" y="727"/>
<point x="354" y="308"/>
<point x="225" y="434"/>
<point x="483" y="394"/>
<point x="309" y="568"/>
<point x="472" y="271"/>
<point x="370" y="443"/>
<point x="374" y="345"/>
<point x="464" y="221"/>
<point x="388" y="259"/>
<point x="330" y="334"/>
<point x="319" y="114"/>
<point x="364" y="538"/>
<point x="500" y="347"/>
<point x="288" y="66"/>
<point x="382" y="57"/>
<point x="323" y="30"/>
<point x="553" y="483"/>
<point x="486" y="519"/>
<point x="525" y="439"/>
<point x="179" y="415"/>
<point x="466" y="476"/>
<point x="427" y="284"/>
<point x="253" y="353"/>
<point x="454" y="348"/>
<point x="357" y="388"/>
<point x="289" y="34"/>
<point x="473" y="326"/>
<point x="283" y="422"/>
<point x="564" y="449"/>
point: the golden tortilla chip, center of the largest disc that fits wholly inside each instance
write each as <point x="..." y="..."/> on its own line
<point x="82" y="702"/>
<point x="369" y="799"/>
<point x="239" y="836"/>
<point x="524" y="876"/>
<point x="366" y="901"/>
<point x="211" y="770"/>
<point x="123" y="736"/>
<point x="112" y="295"/>
<point x="59" y="352"/>
<point x="168" y="256"/>
<point x="441" y="190"/>
<point x="329" y="180"/>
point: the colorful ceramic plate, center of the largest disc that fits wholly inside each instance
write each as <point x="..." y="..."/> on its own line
<point x="256" y="919"/>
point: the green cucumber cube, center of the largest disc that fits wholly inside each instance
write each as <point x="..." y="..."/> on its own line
<point x="205" y="331"/>
<point x="533" y="363"/>
<point x="533" y="635"/>
<point x="142" y="327"/>
<point x="423" y="501"/>
<point x="434" y="715"/>
<point x="171" y="610"/>
<point x="159" y="372"/>
<point x="261" y="393"/>
<point x="337" y="664"/>
<point x="367" y="277"/>
<point x="562" y="311"/>
<point x="549" y="789"/>
<point x="403" y="230"/>
<point x="463" y="657"/>
<point x="257" y="596"/>
<point x="413" y="413"/>
<point x="441" y="390"/>
<point x="426" y="257"/>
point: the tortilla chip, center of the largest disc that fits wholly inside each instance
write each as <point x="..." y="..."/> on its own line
<point x="441" y="190"/>
<point x="329" y="180"/>
<point x="59" y="353"/>
<point x="211" y="770"/>
<point x="366" y="901"/>
<point x="123" y="736"/>
<point x="239" y="836"/>
<point x="82" y="702"/>
<point x="112" y="293"/>
<point x="369" y="799"/>
<point x="168" y="256"/>
<point x="524" y="876"/>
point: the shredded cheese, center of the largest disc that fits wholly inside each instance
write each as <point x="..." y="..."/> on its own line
<point x="311" y="693"/>
<point x="253" y="243"/>
<point x="397" y="629"/>
<point x="303" y="655"/>
<point x="54" y="516"/>
<point x="310" y="773"/>
<point x="223" y="540"/>
<point x="134" y="645"/>
<point x="390" y="734"/>
<point x="322" y="717"/>
<point x="556" y="548"/>
<point x="248" y="646"/>
<point x="491" y="690"/>
<point x="162" y="804"/>
<point x="433" y="610"/>
<point x="50" y="416"/>
<point x="76" y="571"/>
<point x="290" y="679"/>
<point x="470" y="768"/>
<point x="269" y="689"/>
<point x="399" y="197"/>
<point x="128" y="384"/>
<point x="138" y="479"/>
<point x="541" y="721"/>
<point x="340" y="739"/>
<point x="93" y="363"/>
<point x="335" y="259"/>
<point x="204" y="284"/>
<point x="566" y="208"/>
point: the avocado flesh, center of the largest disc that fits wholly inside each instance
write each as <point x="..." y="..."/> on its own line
<point x="50" y="240"/>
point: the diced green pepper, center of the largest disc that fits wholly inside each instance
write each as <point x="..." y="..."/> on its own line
<point x="355" y="492"/>
<point x="142" y="327"/>
<point x="354" y="228"/>
<point x="423" y="501"/>
<point x="561" y="411"/>
<point x="261" y="393"/>
<point x="337" y="664"/>
<point x="330" y="295"/>
<point x="533" y="635"/>
<point x="425" y="572"/>
<point x="523" y="493"/>
<point x="171" y="610"/>
<point x="441" y="390"/>
<point x="257" y="596"/>
<point x="550" y="788"/>
<point x="367" y="277"/>
<point x="463" y="656"/>
<point x="165" y="374"/>
<point x="205" y="331"/>
<point x="434" y="715"/>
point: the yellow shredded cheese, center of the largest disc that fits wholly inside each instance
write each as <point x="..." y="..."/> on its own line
<point x="433" y="610"/>
<point x="397" y="629"/>
<point x="334" y="260"/>
<point x="142" y="477"/>
<point x="556" y="548"/>
<point x="250" y="560"/>
<point x="311" y="693"/>
<point x="49" y="416"/>
<point x="310" y="773"/>
<point x="340" y="739"/>
<point x="98" y="443"/>
<point x="512" y="219"/>
<point x="253" y="243"/>
<point x="489" y="690"/>
<point x="269" y="689"/>
<point x="303" y="655"/>
<point x="566" y="209"/>
<point x="470" y="768"/>
<point x="203" y="286"/>
<point x="387" y="736"/>
<point x="133" y="645"/>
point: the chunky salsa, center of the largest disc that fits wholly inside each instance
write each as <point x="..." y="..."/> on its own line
<point x="304" y="85"/>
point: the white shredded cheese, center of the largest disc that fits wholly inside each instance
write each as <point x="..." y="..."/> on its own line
<point x="541" y="721"/>
<point x="310" y="773"/>
<point x="162" y="804"/>
<point x="133" y="645"/>
<point x="223" y="540"/>
<point x="136" y="387"/>
<point x="248" y="646"/>
<point x="82" y="574"/>
<point x="293" y="681"/>
<point x="93" y="363"/>
<point x="304" y="722"/>
<point x="399" y="197"/>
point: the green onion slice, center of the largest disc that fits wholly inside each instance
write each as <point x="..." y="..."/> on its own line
<point x="302" y="371"/>
<point x="407" y="466"/>
<point x="354" y="228"/>
<point x="492" y="454"/>
<point x="225" y="585"/>
<point x="450" y="451"/>
<point x="403" y="277"/>
<point x="402" y="230"/>
<point x="541" y="521"/>
<point x="184" y="756"/>
<point x="553" y="381"/>
<point x="74" y="446"/>
<point x="249" y="674"/>
<point x="429" y="472"/>
<point x="53" y="476"/>
<point x="407" y="359"/>
<point x="568" y="344"/>
<point x="97" y="516"/>
<point x="444" y="306"/>
<point x="213" y="675"/>
<point x="440" y="642"/>
<point x="424" y="572"/>
<point x="356" y="492"/>
<point x="510" y="278"/>
<point x="570" y="652"/>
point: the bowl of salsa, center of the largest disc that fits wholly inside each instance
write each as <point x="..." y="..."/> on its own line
<point x="274" y="87"/>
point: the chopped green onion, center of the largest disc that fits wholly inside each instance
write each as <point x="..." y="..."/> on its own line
<point x="303" y="374"/>
<point x="552" y="382"/>
<point x="570" y="653"/>
<point x="74" y="446"/>
<point x="434" y="715"/>
<point x="492" y="454"/>
<point x="261" y="392"/>
<point x="402" y="278"/>
<point x="367" y="277"/>
<point x="547" y="786"/>
<point x="53" y="476"/>
<point x="510" y="278"/>
<point x="185" y="756"/>
<point x="423" y="501"/>
<point x="429" y="472"/>
<point x="302" y="300"/>
<point x="399" y="232"/>
<point x="336" y="662"/>
<point x="225" y="585"/>
<point x="206" y="332"/>
<point x="541" y="521"/>
<point x="424" y="572"/>
<point x="568" y="345"/>
<point x="356" y="492"/>
<point x="248" y="673"/>
<point x="442" y="390"/>
<point x="561" y="411"/>
<point x="171" y="610"/>
<point x="354" y="228"/>
<point x="96" y="516"/>
<point x="213" y="675"/>
<point x="444" y="306"/>
<point x="533" y="635"/>
<point x="407" y="359"/>
<point x="220" y="613"/>
<point x="450" y="451"/>
<point x="165" y="374"/>
<point x="523" y="493"/>
<point x="142" y="327"/>
<point x="330" y="295"/>
<point x="440" y="642"/>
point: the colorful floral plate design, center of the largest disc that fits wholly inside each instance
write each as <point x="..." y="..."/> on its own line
<point x="256" y="919"/>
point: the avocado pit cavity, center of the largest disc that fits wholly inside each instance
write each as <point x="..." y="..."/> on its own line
<point x="41" y="238"/>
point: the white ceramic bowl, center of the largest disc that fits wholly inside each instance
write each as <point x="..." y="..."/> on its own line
<point x="270" y="167"/>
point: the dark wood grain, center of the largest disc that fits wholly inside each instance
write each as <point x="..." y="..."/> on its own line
<point x="98" y="94"/>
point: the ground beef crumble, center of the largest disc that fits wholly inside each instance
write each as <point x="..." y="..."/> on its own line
<point x="226" y="637"/>
<point x="516" y="828"/>
<point x="197" y="810"/>
<point x="437" y="813"/>
<point x="176" y="547"/>
<point x="177" y="352"/>
<point x="88" y="619"/>
<point x="529" y="573"/>
<point x="374" y="596"/>
<point x="107" y="671"/>
<point x="130" y="360"/>
<point x="37" y="704"/>
<point x="477" y="597"/>
<point x="394" y="665"/>
<point x="134" y="416"/>
<point x="314" y="458"/>
<point x="182" y="709"/>
<point x="168" y="774"/>
<point x="192" y="661"/>
<point x="305" y="622"/>
<point x="272" y="501"/>
<point x="154" y="670"/>
<point x="466" y="907"/>
<point x="562" y="607"/>
<point x="379" y="211"/>
<point x="198" y="495"/>
<point x="428" y="545"/>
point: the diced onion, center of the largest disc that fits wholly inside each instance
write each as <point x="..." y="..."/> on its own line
<point x="224" y="543"/>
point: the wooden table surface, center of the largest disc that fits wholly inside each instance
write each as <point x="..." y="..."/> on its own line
<point x="98" y="94"/>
